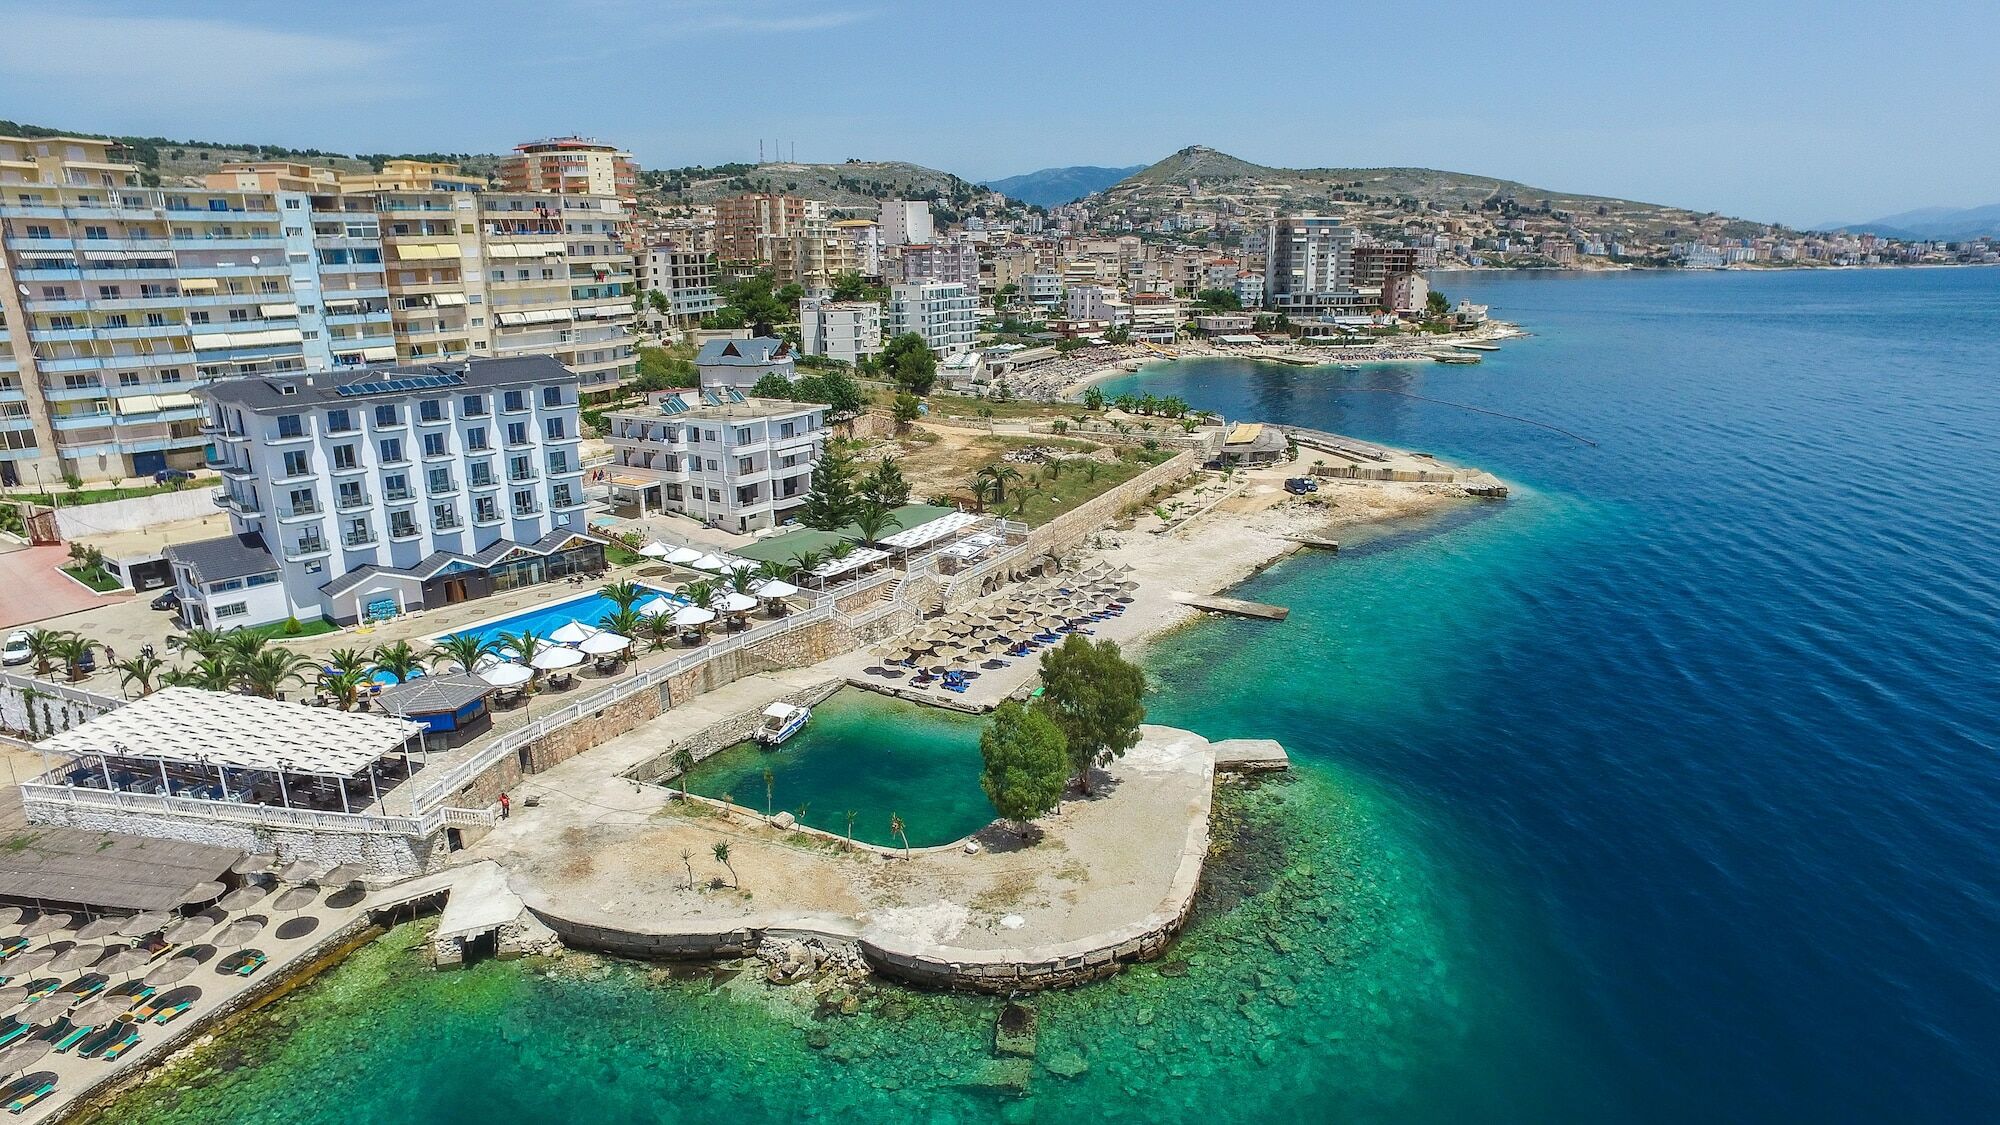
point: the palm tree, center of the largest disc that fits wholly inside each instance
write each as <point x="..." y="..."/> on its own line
<point x="521" y="646"/>
<point x="896" y="830"/>
<point x="242" y="644"/>
<point x="271" y="669"/>
<point x="398" y="659"/>
<point x="659" y="631"/>
<point x="462" y="649"/>
<point x="700" y="592"/>
<point x="626" y="622"/>
<point x="210" y="673"/>
<point x="721" y="853"/>
<point x="997" y="477"/>
<point x="344" y="684"/>
<point x="624" y="594"/>
<point x="851" y="814"/>
<point x="202" y="642"/>
<point x="772" y="570"/>
<point x="805" y="562"/>
<point x="979" y="488"/>
<point x="45" y="645"/>
<point x="871" y="521"/>
<point x="741" y="580"/>
<point x="142" y="670"/>
<point x="841" y="549"/>
<point x="73" y="649"/>
<point x="687" y="861"/>
<point x="683" y="763"/>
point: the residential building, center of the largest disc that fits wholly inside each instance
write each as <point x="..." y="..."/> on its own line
<point x="685" y="277"/>
<point x="559" y="282"/>
<point x="411" y="175"/>
<point x="785" y="234"/>
<point x="571" y="166"/>
<point x="842" y="330"/>
<point x="906" y="221"/>
<point x="739" y="463"/>
<point x="431" y="239"/>
<point x="724" y="364"/>
<point x="387" y="489"/>
<point x="953" y="262"/>
<point x="1309" y="268"/>
<point x="118" y="299"/>
<point x="1405" y="293"/>
<point x="945" y="314"/>
<point x="855" y="246"/>
<point x="1045" y="289"/>
<point x="1090" y="302"/>
<point x="1373" y="265"/>
<point x="1249" y="289"/>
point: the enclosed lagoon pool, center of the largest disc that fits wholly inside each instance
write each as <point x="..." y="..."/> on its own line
<point x="871" y="754"/>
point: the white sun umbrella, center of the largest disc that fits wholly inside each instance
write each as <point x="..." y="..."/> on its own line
<point x="553" y="659"/>
<point x="776" y="588"/>
<point x="604" y="644"/>
<point x="710" y="563"/>
<point x="658" y="607"/>
<point x="573" y="633"/>
<point x="734" y="602"/>
<point x="506" y="675"/>
<point x="693" y="615"/>
<point x="739" y="564"/>
<point x="682" y="556"/>
<point x="656" y="550"/>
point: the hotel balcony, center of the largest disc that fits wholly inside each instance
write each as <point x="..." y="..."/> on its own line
<point x="288" y="513"/>
<point x="310" y="548"/>
<point x="363" y="538"/>
<point x="349" y="501"/>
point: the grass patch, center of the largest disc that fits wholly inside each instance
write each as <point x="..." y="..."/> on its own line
<point x="284" y="630"/>
<point x="1038" y="498"/>
<point x="965" y="408"/>
<point x="616" y="555"/>
<point x="95" y="577"/>
<point x="103" y="495"/>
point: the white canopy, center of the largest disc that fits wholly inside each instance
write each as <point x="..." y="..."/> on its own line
<point x="506" y="675"/>
<point x="710" y="563"/>
<point x="932" y="531"/>
<point x="775" y="588"/>
<point x="734" y="602"/>
<point x="573" y="633"/>
<point x="555" y="659"/>
<point x="604" y="644"/>
<point x="656" y="550"/>
<point x="683" y="556"/>
<point x="693" y="615"/>
<point x="184" y="724"/>
<point x="658" y="607"/>
<point x="739" y="564"/>
<point x="855" y="560"/>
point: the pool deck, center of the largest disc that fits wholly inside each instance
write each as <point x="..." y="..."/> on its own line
<point x="598" y="858"/>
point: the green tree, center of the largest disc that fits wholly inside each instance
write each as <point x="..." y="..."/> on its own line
<point x="344" y="684"/>
<point x="683" y="763"/>
<point x="462" y="649"/>
<point x="850" y="286"/>
<point x="72" y="649"/>
<point x="1093" y="399"/>
<point x="884" y="486"/>
<point x="837" y="389"/>
<point x="1026" y="763"/>
<point x="750" y="301"/>
<point x="1218" y="300"/>
<point x="910" y="363"/>
<point x="1437" y="305"/>
<point x="721" y="853"/>
<point x="831" y="501"/>
<point x="907" y="408"/>
<point x="267" y="673"/>
<point x="45" y="648"/>
<point x="398" y="659"/>
<point x="998" y="477"/>
<point x="771" y="385"/>
<point x="1096" y="698"/>
<point x="625" y="594"/>
<point x="143" y="670"/>
<point x="1118" y="334"/>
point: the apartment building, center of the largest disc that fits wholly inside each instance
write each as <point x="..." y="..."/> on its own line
<point x="955" y="263"/>
<point x="738" y="463"/>
<point x="945" y="314"/>
<point x="1045" y="289"/>
<point x="571" y="166"/>
<point x="785" y="234"/>
<point x="906" y="221"/>
<point x="1309" y="268"/>
<point x="362" y="494"/>
<point x="118" y="299"/>
<point x="559" y="282"/>
<point x="842" y="330"/>
<point x="855" y="247"/>
<point x="737" y="365"/>
<point x="684" y="277"/>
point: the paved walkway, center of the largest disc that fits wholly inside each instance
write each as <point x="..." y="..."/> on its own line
<point x="33" y="589"/>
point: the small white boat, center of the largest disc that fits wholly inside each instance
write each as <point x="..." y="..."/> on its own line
<point x="1350" y="367"/>
<point x="781" y="721"/>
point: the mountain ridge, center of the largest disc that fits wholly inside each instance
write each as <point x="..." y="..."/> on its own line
<point x="1053" y="187"/>
<point x="1931" y="223"/>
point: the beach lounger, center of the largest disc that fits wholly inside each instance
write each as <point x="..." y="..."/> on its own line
<point x="62" y="1034"/>
<point x="137" y="990"/>
<point x="88" y="985"/>
<point x="12" y="945"/>
<point x="13" y="1029"/>
<point x="40" y="988"/>
<point x="119" y="1034"/>
<point x="23" y="1092"/>
<point x="168" y="1005"/>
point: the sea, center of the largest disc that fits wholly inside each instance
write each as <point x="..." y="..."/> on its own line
<point x="1665" y="790"/>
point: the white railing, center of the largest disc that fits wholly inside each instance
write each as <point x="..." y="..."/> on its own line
<point x="456" y="777"/>
<point x="36" y="795"/>
<point x="50" y="688"/>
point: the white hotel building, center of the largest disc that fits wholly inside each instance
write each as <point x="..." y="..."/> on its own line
<point x="945" y="315"/>
<point x="365" y="493"/>
<point x="737" y="463"/>
<point x="842" y="330"/>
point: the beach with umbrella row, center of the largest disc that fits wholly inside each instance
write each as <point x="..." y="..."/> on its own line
<point x="948" y="654"/>
<point x="80" y="992"/>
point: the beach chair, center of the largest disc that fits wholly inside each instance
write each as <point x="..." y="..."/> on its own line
<point x="62" y="1034"/>
<point x="13" y="1029"/>
<point x="23" y="1092"/>
<point x="170" y="1012"/>
<point x="130" y="1040"/>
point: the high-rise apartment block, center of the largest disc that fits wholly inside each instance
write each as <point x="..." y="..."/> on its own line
<point x="571" y="166"/>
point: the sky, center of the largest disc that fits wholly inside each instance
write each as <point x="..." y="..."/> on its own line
<point x="1778" y="110"/>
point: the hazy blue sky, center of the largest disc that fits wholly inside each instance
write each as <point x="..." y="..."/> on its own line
<point x="1781" y="110"/>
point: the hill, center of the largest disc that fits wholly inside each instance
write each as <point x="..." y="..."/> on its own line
<point x="853" y="187"/>
<point x="172" y="161"/>
<point x="1948" y="224"/>
<point x="1377" y="196"/>
<point x="1053" y="187"/>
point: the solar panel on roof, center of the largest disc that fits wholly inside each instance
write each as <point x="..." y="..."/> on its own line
<point x="401" y="383"/>
<point x="736" y="395"/>
<point x="671" y="406"/>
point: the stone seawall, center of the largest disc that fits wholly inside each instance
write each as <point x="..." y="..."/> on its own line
<point x="1064" y="532"/>
<point x="394" y="857"/>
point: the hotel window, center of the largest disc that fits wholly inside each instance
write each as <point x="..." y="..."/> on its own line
<point x="402" y="525"/>
<point x="475" y="438"/>
<point x="107" y="292"/>
<point x="524" y="502"/>
<point x="480" y="473"/>
<point x="198" y="316"/>
<point x="339" y="422"/>
<point x="561" y="495"/>
<point x="385" y="414"/>
<point x="232" y="609"/>
<point x="513" y="400"/>
<point x="551" y="396"/>
<point x="396" y="486"/>
<point x="343" y="457"/>
<point x="517" y="433"/>
<point x="473" y="406"/>
<point x="431" y="410"/>
<point x="297" y="464"/>
<point x="439" y="480"/>
<point x="392" y="450"/>
<point x="434" y="445"/>
<point x="554" y="427"/>
<point x="484" y="509"/>
<point x="558" y="461"/>
<point x="289" y="426"/>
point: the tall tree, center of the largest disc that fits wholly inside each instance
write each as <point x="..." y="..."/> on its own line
<point x="1096" y="698"/>
<point x="884" y="486"/>
<point x="1026" y="763"/>
<point x="911" y="363"/>
<point x="267" y="673"/>
<point x="831" y="501"/>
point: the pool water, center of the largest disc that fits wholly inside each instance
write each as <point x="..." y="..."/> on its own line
<point x="871" y="754"/>
<point x="589" y="608"/>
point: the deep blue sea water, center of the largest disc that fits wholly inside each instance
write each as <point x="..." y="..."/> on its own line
<point x="1665" y="791"/>
<point x="1705" y="719"/>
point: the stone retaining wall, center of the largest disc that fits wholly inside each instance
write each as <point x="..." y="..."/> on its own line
<point x="1064" y="532"/>
<point x="394" y="857"/>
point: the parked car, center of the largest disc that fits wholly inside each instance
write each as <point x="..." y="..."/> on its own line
<point x="16" y="649"/>
<point x="87" y="663"/>
<point x="171" y="599"/>
<point x="1299" y="486"/>
<point x="172" y="476"/>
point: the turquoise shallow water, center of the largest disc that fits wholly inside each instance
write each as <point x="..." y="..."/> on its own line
<point x="871" y="754"/>
<point x="1662" y="792"/>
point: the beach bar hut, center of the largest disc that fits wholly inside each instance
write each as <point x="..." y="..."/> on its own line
<point x="447" y="706"/>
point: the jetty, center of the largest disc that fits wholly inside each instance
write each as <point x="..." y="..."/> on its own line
<point x="1215" y="603"/>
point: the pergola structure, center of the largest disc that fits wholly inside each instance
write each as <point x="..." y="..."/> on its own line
<point x="217" y="746"/>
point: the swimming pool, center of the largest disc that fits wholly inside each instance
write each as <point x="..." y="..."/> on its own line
<point x="871" y="754"/>
<point x="543" y="620"/>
